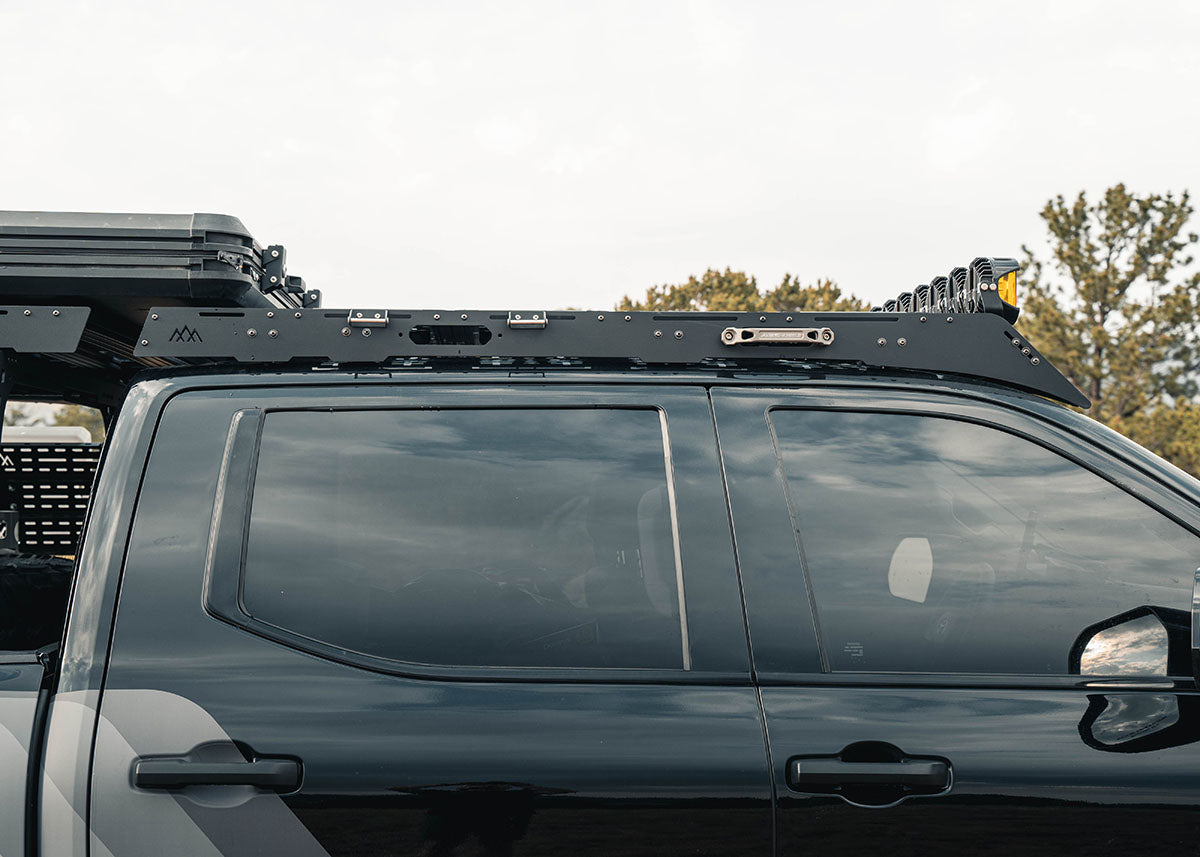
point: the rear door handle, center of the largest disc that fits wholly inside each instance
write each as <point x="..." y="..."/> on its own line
<point x="926" y="775"/>
<point x="281" y="775"/>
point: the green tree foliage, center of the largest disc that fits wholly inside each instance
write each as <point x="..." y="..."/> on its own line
<point x="21" y="414"/>
<point x="81" y="415"/>
<point x="728" y="290"/>
<point x="17" y="415"/>
<point x="1116" y="310"/>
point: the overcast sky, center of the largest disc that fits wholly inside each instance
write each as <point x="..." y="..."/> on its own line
<point x="564" y="154"/>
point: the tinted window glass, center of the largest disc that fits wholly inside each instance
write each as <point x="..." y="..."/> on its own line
<point x="539" y="538"/>
<point x="936" y="545"/>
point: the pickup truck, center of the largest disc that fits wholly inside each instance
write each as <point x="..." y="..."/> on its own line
<point x="433" y="582"/>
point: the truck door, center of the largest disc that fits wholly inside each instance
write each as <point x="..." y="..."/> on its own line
<point x="970" y="628"/>
<point x="33" y="596"/>
<point x="20" y="680"/>
<point x="431" y="620"/>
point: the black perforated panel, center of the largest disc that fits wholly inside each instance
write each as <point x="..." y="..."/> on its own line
<point x="48" y="485"/>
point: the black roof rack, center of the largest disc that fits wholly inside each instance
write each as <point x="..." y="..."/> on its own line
<point x="978" y="344"/>
<point x="90" y="299"/>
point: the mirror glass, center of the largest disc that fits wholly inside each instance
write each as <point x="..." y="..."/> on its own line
<point x="1135" y="647"/>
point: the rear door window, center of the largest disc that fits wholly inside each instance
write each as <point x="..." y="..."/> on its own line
<point x="937" y="545"/>
<point x="476" y="537"/>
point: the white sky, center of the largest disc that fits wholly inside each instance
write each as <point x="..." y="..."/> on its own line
<point x="563" y="154"/>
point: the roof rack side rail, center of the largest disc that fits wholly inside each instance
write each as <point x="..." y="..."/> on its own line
<point x="980" y="344"/>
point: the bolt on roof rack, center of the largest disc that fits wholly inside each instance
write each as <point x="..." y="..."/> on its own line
<point x="88" y="300"/>
<point x="976" y="343"/>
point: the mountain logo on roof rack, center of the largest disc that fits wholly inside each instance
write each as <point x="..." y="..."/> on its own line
<point x="186" y="334"/>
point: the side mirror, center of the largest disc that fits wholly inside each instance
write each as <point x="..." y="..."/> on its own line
<point x="1134" y="646"/>
<point x="1146" y="643"/>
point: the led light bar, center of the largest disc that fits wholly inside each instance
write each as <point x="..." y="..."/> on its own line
<point x="986" y="285"/>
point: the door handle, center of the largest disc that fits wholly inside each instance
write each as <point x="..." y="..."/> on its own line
<point x="929" y="775"/>
<point x="281" y="775"/>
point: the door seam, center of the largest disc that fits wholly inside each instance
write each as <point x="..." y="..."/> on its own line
<point x="762" y="712"/>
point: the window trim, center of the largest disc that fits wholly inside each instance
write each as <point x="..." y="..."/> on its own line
<point x="999" y="681"/>
<point x="229" y="537"/>
<point x="905" y="403"/>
